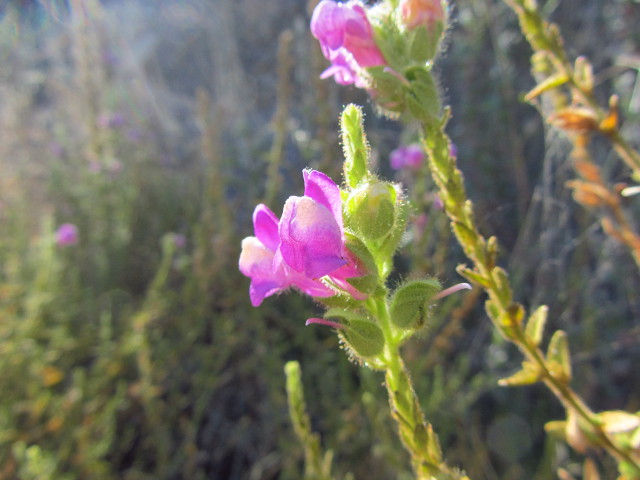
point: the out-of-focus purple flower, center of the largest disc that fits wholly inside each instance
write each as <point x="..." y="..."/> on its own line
<point x="179" y="240"/>
<point x="67" y="234"/>
<point x="110" y="120"/>
<point x="346" y="39"/>
<point x="410" y="157"/>
<point x="114" y="166"/>
<point x="134" y="135"/>
<point x="56" y="149"/>
<point x="453" y="150"/>
<point x="438" y="204"/>
<point x="302" y="247"/>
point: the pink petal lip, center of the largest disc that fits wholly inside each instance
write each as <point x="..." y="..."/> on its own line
<point x="265" y="226"/>
<point x="311" y="239"/>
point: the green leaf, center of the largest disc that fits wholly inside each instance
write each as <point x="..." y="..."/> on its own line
<point x="558" y="356"/>
<point x="363" y="337"/>
<point x="410" y="303"/>
<point x="528" y="375"/>
<point x="503" y="285"/>
<point x="557" y="429"/>
<point x="535" y="326"/>
<point x="472" y="276"/>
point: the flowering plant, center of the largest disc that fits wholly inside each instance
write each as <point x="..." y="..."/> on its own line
<point x="337" y="244"/>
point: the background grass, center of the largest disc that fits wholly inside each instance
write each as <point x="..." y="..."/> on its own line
<point x="152" y="126"/>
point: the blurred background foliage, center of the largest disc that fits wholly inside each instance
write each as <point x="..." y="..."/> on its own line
<point x="153" y="125"/>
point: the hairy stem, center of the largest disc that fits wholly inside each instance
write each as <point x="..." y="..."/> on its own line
<point x="415" y="431"/>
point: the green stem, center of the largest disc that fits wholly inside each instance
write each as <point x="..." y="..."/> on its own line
<point x="415" y="431"/>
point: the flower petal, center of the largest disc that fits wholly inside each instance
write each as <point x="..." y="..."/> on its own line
<point x="311" y="239"/>
<point x="256" y="262"/>
<point x="323" y="190"/>
<point x="265" y="226"/>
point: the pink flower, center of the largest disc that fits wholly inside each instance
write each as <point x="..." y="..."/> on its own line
<point x="67" y="234"/>
<point x="261" y="261"/>
<point x="410" y="157"/>
<point x="421" y="12"/>
<point x="302" y="247"/>
<point x="346" y="39"/>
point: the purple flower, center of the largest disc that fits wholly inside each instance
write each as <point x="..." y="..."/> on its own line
<point x="302" y="247"/>
<point x="453" y="150"/>
<point x="410" y="157"/>
<point x="346" y="39"/>
<point x="311" y="231"/>
<point x="110" y="120"/>
<point x="67" y="234"/>
<point x="261" y="261"/>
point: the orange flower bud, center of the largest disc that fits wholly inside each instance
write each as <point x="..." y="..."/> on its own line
<point x="421" y="12"/>
<point x="577" y="119"/>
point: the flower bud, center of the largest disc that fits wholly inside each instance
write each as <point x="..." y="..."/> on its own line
<point x="424" y="19"/>
<point x="371" y="209"/>
<point x="416" y="13"/>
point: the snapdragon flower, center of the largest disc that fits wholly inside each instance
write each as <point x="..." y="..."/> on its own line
<point x="347" y="41"/>
<point x="305" y="249"/>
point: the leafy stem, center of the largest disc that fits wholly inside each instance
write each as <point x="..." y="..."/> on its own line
<point x="415" y="431"/>
<point x="507" y="316"/>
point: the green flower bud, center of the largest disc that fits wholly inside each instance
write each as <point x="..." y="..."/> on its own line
<point x="370" y="209"/>
<point x="424" y="21"/>
<point x="410" y="303"/>
<point x="355" y="146"/>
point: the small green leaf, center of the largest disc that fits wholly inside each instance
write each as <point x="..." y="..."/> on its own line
<point x="503" y="320"/>
<point x="535" y="326"/>
<point x="364" y="337"/>
<point x="619" y="421"/>
<point x="410" y="303"/>
<point x="472" y="276"/>
<point x="360" y="334"/>
<point x="557" y="429"/>
<point x="503" y="285"/>
<point x="549" y="83"/>
<point x="528" y="375"/>
<point x="558" y="356"/>
<point x="465" y="235"/>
